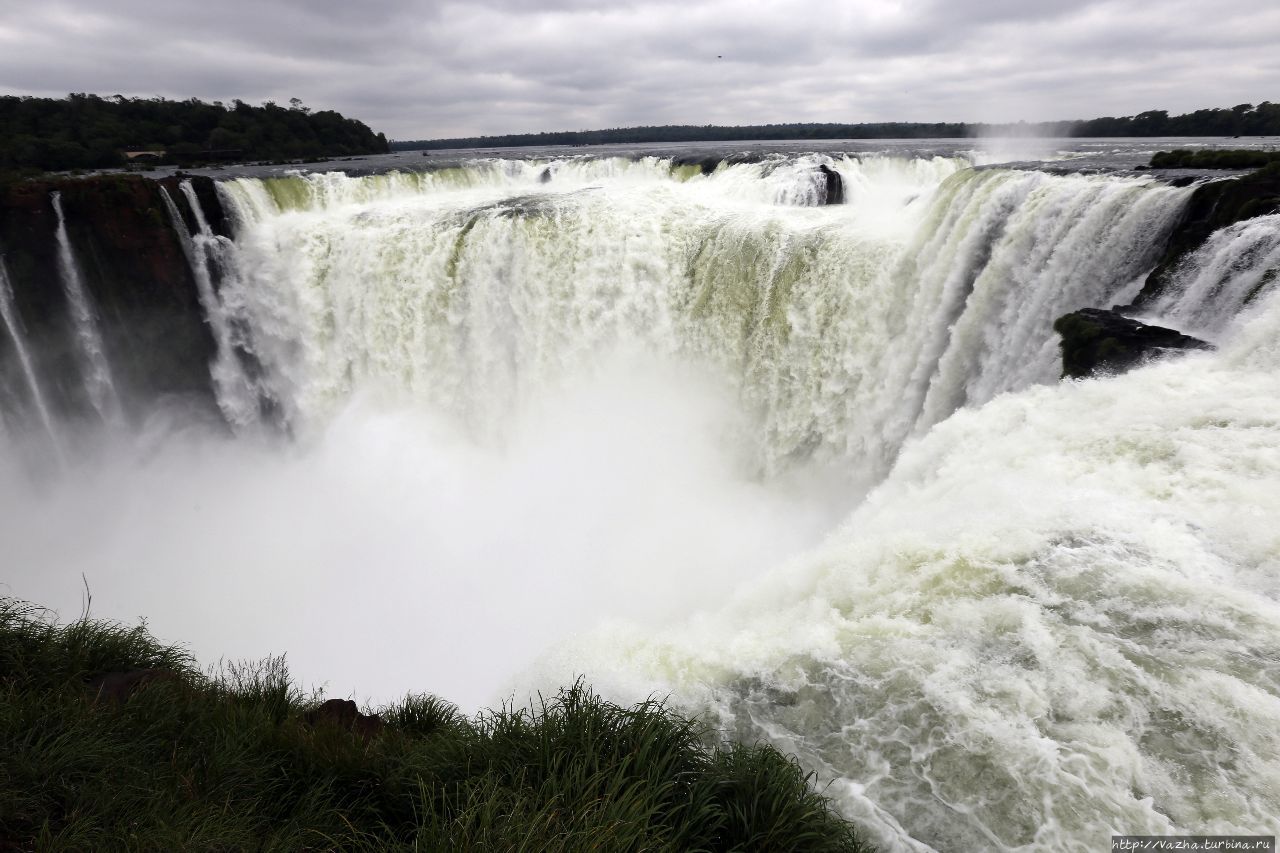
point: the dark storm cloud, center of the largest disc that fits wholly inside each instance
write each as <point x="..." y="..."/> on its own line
<point x="423" y="69"/>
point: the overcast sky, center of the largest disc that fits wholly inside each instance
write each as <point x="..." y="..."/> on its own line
<point x="416" y="69"/>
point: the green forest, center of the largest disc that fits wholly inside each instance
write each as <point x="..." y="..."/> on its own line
<point x="90" y="132"/>
<point x="85" y="131"/>
<point x="1240" y="120"/>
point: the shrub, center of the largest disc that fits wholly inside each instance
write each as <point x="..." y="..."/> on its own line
<point x="1213" y="159"/>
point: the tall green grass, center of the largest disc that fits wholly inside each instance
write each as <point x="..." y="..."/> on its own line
<point x="225" y="763"/>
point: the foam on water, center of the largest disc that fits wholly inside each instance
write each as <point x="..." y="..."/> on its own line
<point x="1057" y="619"/>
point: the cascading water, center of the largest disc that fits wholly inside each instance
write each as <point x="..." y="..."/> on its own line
<point x="98" y="382"/>
<point x="13" y="325"/>
<point x="844" y="329"/>
<point x="1051" y="617"/>
<point x="1235" y="266"/>
<point x="236" y="396"/>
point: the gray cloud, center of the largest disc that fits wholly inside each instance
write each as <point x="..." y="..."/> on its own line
<point x="427" y="69"/>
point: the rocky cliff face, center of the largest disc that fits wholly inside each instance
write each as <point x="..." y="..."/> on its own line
<point x="139" y="285"/>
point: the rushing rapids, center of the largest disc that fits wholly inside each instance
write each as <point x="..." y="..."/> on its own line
<point x="605" y="413"/>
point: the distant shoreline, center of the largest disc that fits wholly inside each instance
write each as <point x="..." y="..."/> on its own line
<point x="977" y="132"/>
<point x="1243" y="120"/>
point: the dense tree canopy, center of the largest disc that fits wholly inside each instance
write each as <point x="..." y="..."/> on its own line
<point x="89" y="132"/>
<point x="1241" y="120"/>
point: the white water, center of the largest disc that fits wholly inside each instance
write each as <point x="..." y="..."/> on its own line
<point x="13" y="325"/>
<point x="93" y="353"/>
<point x="614" y="415"/>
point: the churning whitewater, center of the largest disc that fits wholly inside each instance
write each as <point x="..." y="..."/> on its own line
<point x="807" y="468"/>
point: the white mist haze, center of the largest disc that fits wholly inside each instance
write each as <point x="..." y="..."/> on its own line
<point x="389" y="553"/>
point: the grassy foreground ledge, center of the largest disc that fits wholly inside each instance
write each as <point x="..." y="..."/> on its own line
<point x="233" y="761"/>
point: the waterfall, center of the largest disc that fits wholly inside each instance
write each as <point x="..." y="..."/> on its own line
<point x="13" y="325"/>
<point x="235" y="393"/>
<point x="806" y="470"/>
<point x="98" y="382"/>
<point x="845" y="330"/>
<point x="1034" y="248"/>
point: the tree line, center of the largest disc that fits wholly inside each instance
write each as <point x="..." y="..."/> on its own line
<point x="85" y="131"/>
<point x="695" y="133"/>
<point x="1240" y="120"/>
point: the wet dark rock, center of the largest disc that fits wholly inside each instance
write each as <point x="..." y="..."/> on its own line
<point x="119" y="687"/>
<point x="706" y="165"/>
<point x="545" y="177"/>
<point x="1097" y="341"/>
<point x="833" y="192"/>
<point x="344" y="714"/>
